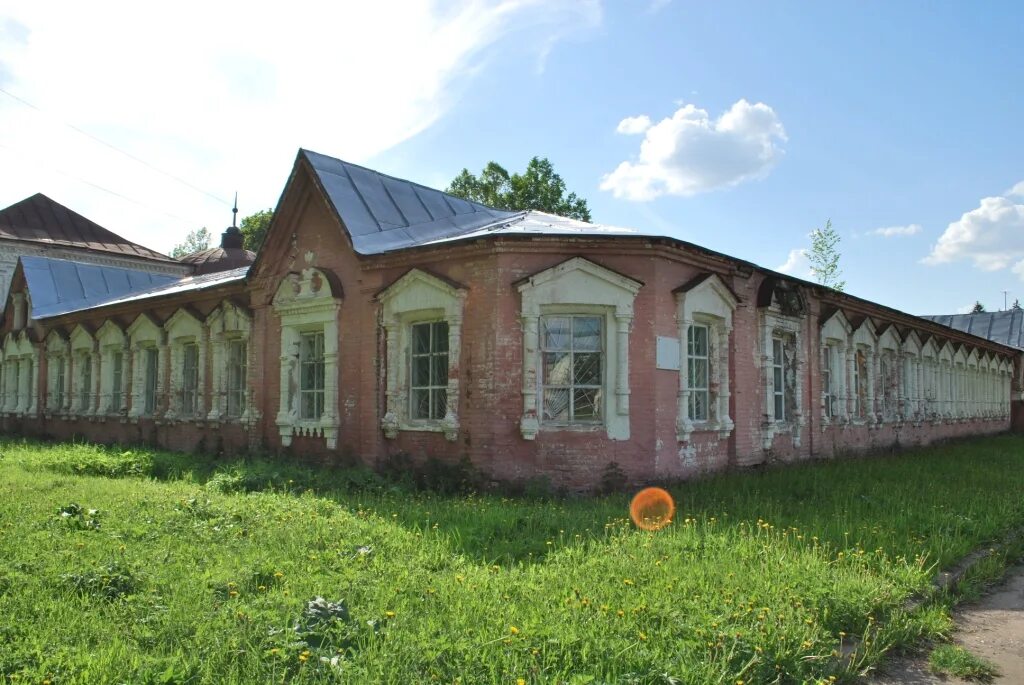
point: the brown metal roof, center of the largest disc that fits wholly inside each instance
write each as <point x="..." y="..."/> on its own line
<point x="39" y="219"/>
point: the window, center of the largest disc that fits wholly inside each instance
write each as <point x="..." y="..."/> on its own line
<point x="85" y="382"/>
<point x="778" y="379"/>
<point x="311" y="375"/>
<point x="860" y="384"/>
<point x="572" y="368"/>
<point x="826" y="381"/>
<point x="117" y="363"/>
<point x="150" y="355"/>
<point x="885" y="372"/>
<point x="429" y="371"/>
<point x="698" y="363"/>
<point x="189" y="379"/>
<point x="58" y="397"/>
<point x="237" y="359"/>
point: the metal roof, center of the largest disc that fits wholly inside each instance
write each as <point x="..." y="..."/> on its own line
<point x="1006" y="327"/>
<point x="534" y="222"/>
<point x="39" y="219"/>
<point x="383" y="213"/>
<point x="183" y="285"/>
<point x="59" y="286"/>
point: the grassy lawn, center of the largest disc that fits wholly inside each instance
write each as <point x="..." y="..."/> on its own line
<point x="149" y="567"/>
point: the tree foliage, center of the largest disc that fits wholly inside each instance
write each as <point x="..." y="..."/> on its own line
<point x="254" y="228"/>
<point x="195" y="241"/>
<point x="824" y="257"/>
<point x="977" y="308"/>
<point x="538" y="188"/>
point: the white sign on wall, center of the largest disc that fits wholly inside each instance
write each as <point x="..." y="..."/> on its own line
<point x="667" y="356"/>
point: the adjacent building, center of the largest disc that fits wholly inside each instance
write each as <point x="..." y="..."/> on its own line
<point x="381" y="316"/>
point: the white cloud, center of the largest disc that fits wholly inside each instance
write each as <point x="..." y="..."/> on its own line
<point x="690" y="153"/>
<point x="797" y="264"/>
<point x="223" y="94"/>
<point x="633" y="125"/>
<point x="657" y="5"/>
<point x="892" y="231"/>
<point x="1016" y="191"/>
<point x="991" y="236"/>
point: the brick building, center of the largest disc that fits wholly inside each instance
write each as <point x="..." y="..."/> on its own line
<point x="381" y="316"/>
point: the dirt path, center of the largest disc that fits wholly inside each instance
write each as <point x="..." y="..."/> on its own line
<point x="992" y="627"/>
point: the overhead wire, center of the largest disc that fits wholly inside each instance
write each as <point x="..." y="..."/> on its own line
<point x="113" y="147"/>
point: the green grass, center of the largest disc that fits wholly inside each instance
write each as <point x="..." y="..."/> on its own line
<point x="956" y="661"/>
<point x="200" y="572"/>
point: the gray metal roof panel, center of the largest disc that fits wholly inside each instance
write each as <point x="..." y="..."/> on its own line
<point x="383" y="213"/>
<point x="59" y="286"/>
<point x="1005" y="327"/>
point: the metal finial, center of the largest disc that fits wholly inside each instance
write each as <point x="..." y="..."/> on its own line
<point x="234" y="212"/>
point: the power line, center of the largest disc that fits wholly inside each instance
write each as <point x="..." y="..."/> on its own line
<point x="99" y="187"/>
<point x="129" y="155"/>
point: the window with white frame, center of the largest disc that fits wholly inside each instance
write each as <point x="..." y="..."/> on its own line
<point x="704" y="307"/>
<point x="59" y="382"/>
<point x="189" y="388"/>
<point x="572" y="373"/>
<point x="828" y="397"/>
<point x="84" y="381"/>
<point x="428" y="371"/>
<point x="151" y="372"/>
<point x="237" y="374"/>
<point x="311" y="375"/>
<point x="779" y="378"/>
<point x="422" y="319"/>
<point x="117" y="381"/>
<point x="57" y="350"/>
<point x="576" y="319"/>
<point x="860" y="383"/>
<point x="698" y="363"/>
<point x="307" y="306"/>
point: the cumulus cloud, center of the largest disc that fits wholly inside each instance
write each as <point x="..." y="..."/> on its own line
<point x="1016" y="191"/>
<point x="632" y="125"/>
<point x="893" y="231"/>
<point x="990" y="235"/>
<point x="797" y="264"/>
<point x="223" y="94"/>
<point x="690" y="153"/>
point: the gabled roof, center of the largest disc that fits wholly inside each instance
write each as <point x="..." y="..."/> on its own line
<point x="1006" y="327"/>
<point x="38" y="219"/>
<point x="59" y="286"/>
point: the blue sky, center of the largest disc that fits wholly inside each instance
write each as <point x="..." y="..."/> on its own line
<point x="762" y="119"/>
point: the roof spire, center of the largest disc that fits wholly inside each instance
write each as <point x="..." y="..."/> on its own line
<point x="234" y="212"/>
<point x="232" y="237"/>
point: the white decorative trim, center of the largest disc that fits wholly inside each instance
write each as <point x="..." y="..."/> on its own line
<point x="226" y="324"/>
<point x="711" y="304"/>
<point x="578" y="285"/>
<point x="184" y="328"/>
<point x="144" y="334"/>
<point x="418" y="297"/>
<point x="305" y="303"/>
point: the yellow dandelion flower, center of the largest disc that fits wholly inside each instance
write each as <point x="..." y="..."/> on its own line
<point x="513" y="630"/>
<point x="389" y="614"/>
<point x="520" y="681"/>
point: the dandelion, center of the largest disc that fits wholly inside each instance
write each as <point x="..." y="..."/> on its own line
<point x="643" y="636"/>
<point x="278" y="575"/>
<point x="389" y="614"/>
<point x="520" y="681"/>
<point x="304" y="656"/>
<point x="233" y="593"/>
<point x="627" y="581"/>
<point x="513" y="630"/>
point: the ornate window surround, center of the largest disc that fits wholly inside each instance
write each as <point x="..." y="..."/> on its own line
<point x="83" y="351"/>
<point x="782" y="312"/>
<point x="226" y="324"/>
<point x="145" y="334"/>
<point x="419" y="297"/>
<point x="579" y="286"/>
<point x="182" y="328"/>
<point x="58" y="353"/>
<point x="111" y="339"/>
<point x="932" y="379"/>
<point x="835" y="334"/>
<point x="306" y="302"/>
<point x="863" y="339"/>
<point x="889" y="341"/>
<point x="706" y="301"/>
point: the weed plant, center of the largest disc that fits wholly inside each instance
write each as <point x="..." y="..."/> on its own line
<point x="149" y="567"/>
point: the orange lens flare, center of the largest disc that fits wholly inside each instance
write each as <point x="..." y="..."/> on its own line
<point x="652" y="509"/>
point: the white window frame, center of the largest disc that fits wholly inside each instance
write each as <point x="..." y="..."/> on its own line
<point x="112" y="341"/>
<point x="184" y="328"/>
<point x="229" y="325"/>
<point x="58" y="351"/>
<point x="236" y="383"/>
<point x="305" y="302"/>
<point x="316" y="361"/>
<point x="416" y="298"/>
<point x="435" y="411"/>
<point x="696" y="361"/>
<point x="144" y="334"/>
<point x="775" y="323"/>
<point x="21" y="373"/>
<point x="834" y="336"/>
<point x="578" y="286"/>
<point x="85" y="367"/>
<point x="571" y="387"/>
<point x="863" y="341"/>
<point x="705" y="301"/>
<point x="889" y="349"/>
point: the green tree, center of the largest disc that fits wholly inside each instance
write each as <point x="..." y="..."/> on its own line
<point x="195" y="241"/>
<point x="254" y="228"/>
<point x="977" y="308"/>
<point x="538" y="188"/>
<point x="824" y="257"/>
